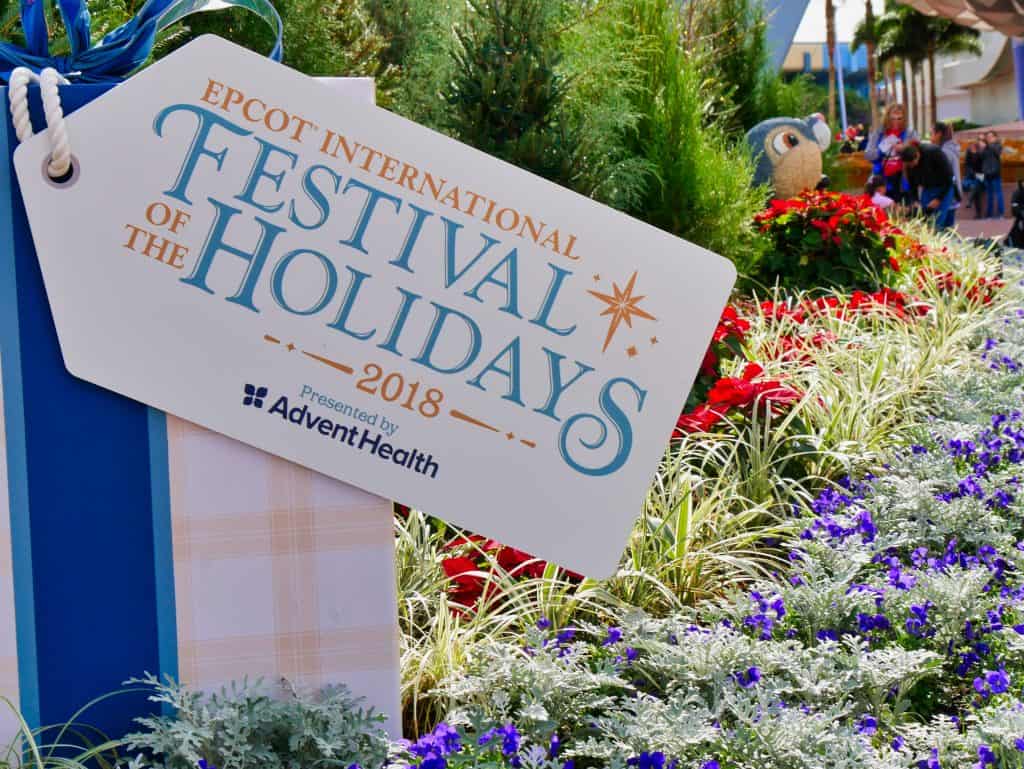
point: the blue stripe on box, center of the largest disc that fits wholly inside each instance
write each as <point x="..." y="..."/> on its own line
<point x="17" y="471"/>
<point x="163" y="544"/>
<point x="92" y="532"/>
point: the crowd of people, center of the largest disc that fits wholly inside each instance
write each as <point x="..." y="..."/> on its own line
<point x="928" y="175"/>
<point x="983" y="175"/>
<point x="854" y="140"/>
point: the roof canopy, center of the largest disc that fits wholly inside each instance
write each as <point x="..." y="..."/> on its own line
<point x="1006" y="16"/>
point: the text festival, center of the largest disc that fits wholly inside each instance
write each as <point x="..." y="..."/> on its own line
<point x="477" y="265"/>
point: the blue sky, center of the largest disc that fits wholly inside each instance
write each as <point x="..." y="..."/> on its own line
<point x="848" y="13"/>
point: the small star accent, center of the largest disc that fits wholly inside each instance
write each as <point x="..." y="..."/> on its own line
<point x="597" y="277"/>
<point x="622" y="306"/>
<point x="291" y="347"/>
<point x="631" y="351"/>
<point x="510" y="436"/>
<point x="654" y="340"/>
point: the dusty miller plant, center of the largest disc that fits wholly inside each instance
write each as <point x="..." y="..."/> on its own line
<point x="251" y="726"/>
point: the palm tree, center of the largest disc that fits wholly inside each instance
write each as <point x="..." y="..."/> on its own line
<point x="830" y="44"/>
<point x="949" y="38"/>
<point x="889" y="73"/>
<point x="869" y="21"/>
<point x="866" y="34"/>
<point x="902" y="35"/>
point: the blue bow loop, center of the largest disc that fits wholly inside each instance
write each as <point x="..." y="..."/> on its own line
<point x="120" y="52"/>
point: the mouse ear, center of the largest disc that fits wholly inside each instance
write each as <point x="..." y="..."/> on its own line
<point x="820" y="129"/>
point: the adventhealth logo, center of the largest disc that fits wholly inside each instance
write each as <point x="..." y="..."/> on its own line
<point x="359" y="438"/>
<point x="254" y="396"/>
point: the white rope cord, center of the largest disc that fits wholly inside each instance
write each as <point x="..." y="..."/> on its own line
<point x="18" y="95"/>
<point x="49" y="79"/>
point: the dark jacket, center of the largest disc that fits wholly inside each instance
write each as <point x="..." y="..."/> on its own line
<point x="972" y="163"/>
<point x="991" y="164"/>
<point x="932" y="171"/>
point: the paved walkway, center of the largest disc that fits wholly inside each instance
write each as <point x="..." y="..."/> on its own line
<point x="970" y="227"/>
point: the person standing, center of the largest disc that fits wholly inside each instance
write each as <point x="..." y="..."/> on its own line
<point x="974" y="177"/>
<point x="992" y="168"/>
<point x="942" y="137"/>
<point x="883" y="150"/>
<point x="930" y="175"/>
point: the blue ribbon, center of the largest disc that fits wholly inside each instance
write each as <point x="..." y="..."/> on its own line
<point x="122" y="51"/>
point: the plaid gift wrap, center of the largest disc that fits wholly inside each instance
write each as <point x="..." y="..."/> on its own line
<point x="133" y="542"/>
<point x="283" y="572"/>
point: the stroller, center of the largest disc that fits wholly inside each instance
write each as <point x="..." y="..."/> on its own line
<point x="1015" y="238"/>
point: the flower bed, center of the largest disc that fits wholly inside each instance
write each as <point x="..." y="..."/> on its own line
<point x="826" y="239"/>
<point x="797" y="388"/>
<point x="765" y="614"/>
<point x="895" y="637"/>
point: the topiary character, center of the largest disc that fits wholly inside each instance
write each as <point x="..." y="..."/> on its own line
<point x="788" y="153"/>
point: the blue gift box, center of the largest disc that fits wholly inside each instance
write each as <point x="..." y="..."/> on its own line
<point x="88" y="490"/>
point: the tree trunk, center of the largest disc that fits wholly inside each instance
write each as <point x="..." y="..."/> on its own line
<point x="909" y="95"/>
<point x="922" y="94"/>
<point x="922" y="126"/>
<point x="893" y="97"/>
<point x="915" y="96"/>
<point x="933" y="90"/>
<point x="905" y="88"/>
<point x="916" y="83"/>
<point x="922" y="100"/>
<point x="830" y="45"/>
<point x="869" y="22"/>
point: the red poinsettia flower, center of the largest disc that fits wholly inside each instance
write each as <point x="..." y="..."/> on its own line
<point x="462" y="541"/>
<point x="794" y="348"/>
<point x="734" y="392"/>
<point x="708" y="366"/>
<point x="740" y="392"/>
<point x="520" y="564"/>
<point x="730" y="325"/>
<point x="985" y="289"/>
<point x="467" y="583"/>
<point x="699" y="420"/>
<point x="780" y="311"/>
<point x="775" y="394"/>
<point x="821" y="305"/>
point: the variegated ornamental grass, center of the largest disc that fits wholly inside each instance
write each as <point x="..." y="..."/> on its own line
<point x="893" y="635"/>
<point x="870" y="379"/>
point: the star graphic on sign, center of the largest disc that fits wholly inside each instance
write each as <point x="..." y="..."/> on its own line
<point x="631" y="351"/>
<point x="622" y="306"/>
<point x="654" y="340"/>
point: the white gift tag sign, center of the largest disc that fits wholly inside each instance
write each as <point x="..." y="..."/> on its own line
<point x="336" y="285"/>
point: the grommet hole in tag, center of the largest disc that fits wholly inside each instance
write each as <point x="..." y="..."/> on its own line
<point x="66" y="179"/>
